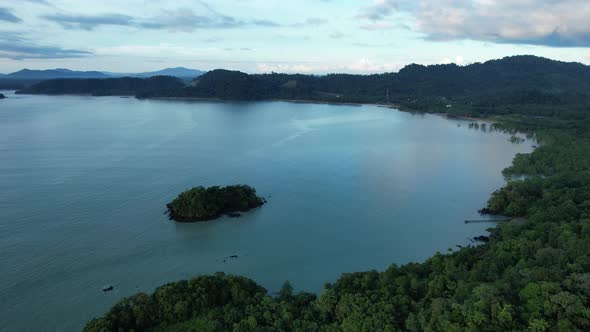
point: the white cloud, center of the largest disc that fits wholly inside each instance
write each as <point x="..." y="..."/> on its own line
<point x="286" y="68"/>
<point x="555" y="23"/>
<point x="161" y="50"/>
<point x="365" y="65"/>
<point x="377" y="10"/>
<point x="361" y="66"/>
<point x="459" y="60"/>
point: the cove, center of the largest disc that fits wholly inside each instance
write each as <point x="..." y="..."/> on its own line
<point x="84" y="182"/>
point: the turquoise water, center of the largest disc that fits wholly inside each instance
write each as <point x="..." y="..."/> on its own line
<point x="84" y="182"/>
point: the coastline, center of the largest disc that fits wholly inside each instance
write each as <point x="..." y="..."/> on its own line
<point x="470" y="118"/>
<point x="298" y="101"/>
<point x="320" y="102"/>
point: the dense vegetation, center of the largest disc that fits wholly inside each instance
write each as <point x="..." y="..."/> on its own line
<point x="522" y="84"/>
<point x="525" y="85"/>
<point x="200" y="204"/>
<point x="104" y="87"/>
<point x="532" y="275"/>
<point x="14" y="84"/>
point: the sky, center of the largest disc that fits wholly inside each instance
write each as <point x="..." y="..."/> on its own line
<point x="305" y="36"/>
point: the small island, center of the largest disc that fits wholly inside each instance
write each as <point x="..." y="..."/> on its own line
<point x="2" y="96"/>
<point x="202" y="204"/>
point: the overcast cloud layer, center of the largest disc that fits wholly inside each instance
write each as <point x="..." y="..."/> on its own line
<point x="552" y="23"/>
<point x="310" y="36"/>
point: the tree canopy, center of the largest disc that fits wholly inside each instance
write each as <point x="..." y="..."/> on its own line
<point x="200" y="203"/>
<point x="525" y="85"/>
<point x="105" y="87"/>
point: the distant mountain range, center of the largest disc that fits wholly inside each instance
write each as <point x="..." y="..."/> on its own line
<point x="31" y="74"/>
<point x="180" y="72"/>
<point x="27" y="74"/>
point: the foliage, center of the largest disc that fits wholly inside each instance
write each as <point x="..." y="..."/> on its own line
<point x="201" y="203"/>
<point x="105" y="87"/>
<point x="514" y="85"/>
<point x="14" y="84"/>
<point x="527" y="85"/>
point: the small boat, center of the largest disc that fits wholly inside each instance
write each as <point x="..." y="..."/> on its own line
<point x="108" y="288"/>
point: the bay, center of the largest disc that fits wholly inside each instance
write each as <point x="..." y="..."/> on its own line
<point x="84" y="182"/>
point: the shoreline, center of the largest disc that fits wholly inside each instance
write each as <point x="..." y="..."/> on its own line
<point x="320" y="102"/>
<point x="174" y="216"/>
<point x="297" y="101"/>
<point x="470" y="118"/>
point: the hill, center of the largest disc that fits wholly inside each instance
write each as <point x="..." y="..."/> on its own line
<point x="520" y="84"/>
<point x="47" y="74"/>
<point x="180" y="72"/>
<point x="53" y="73"/>
<point x="105" y="87"/>
<point x="518" y="79"/>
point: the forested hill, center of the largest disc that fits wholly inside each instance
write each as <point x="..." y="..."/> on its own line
<point x="104" y="87"/>
<point x="520" y="84"/>
<point x="477" y="89"/>
<point x="536" y="77"/>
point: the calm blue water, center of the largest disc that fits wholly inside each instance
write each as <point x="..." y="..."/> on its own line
<point x="84" y="182"/>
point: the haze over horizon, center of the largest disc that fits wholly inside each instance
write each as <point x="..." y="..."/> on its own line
<point x="285" y="36"/>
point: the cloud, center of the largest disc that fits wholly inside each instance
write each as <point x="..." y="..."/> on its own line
<point x="182" y="19"/>
<point x="388" y="45"/>
<point x="160" y="50"/>
<point x="362" y="66"/>
<point x="365" y="65"/>
<point x="41" y="2"/>
<point x="337" y="35"/>
<point x="312" y="21"/>
<point x="537" y="22"/>
<point x="286" y="68"/>
<point x="14" y="46"/>
<point x="378" y="10"/>
<point x="459" y="60"/>
<point x="89" y="22"/>
<point x="7" y="15"/>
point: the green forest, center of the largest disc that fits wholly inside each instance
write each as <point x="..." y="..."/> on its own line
<point x="104" y="86"/>
<point x="527" y="85"/>
<point x="532" y="275"/>
<point x="200" y="203"/>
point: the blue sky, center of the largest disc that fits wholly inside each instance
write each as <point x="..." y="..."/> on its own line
<point x="319" y="36"/>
